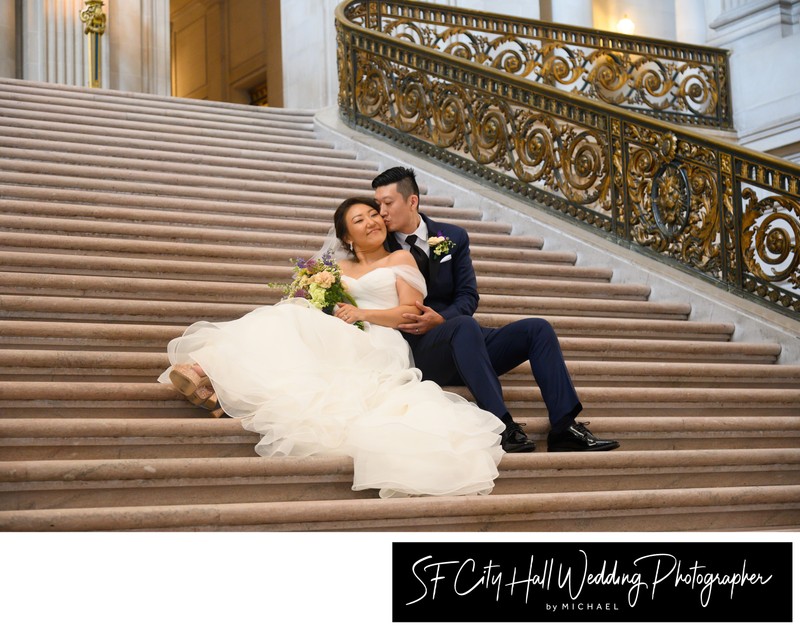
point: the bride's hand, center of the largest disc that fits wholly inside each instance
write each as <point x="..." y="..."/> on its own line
<point x="348" y="313"/>
<point x="428" y="319"/>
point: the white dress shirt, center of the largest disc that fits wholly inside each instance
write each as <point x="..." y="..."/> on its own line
<point x="422" y="238"/>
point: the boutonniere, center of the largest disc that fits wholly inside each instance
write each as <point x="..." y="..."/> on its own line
<point x="440" y="245"/>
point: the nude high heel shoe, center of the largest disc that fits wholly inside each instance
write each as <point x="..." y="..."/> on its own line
<point x="206" y="398"/>
<point x="186" y="380"/>
<point x="196" y="388"/>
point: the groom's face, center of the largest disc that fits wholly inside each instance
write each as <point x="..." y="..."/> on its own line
<point x="399" y="213"/>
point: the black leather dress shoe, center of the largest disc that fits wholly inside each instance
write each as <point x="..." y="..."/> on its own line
<point x="578" y="438"/>
<point x="514" y="440"/>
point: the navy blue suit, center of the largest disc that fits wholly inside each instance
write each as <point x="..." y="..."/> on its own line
<point x="461" y="352"/>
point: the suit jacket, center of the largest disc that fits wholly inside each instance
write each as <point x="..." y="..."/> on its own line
<point x="452" y="286"/>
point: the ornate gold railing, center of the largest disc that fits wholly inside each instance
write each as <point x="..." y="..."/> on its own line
<point x="680" y="83"/>
<point x="729" y="215"/>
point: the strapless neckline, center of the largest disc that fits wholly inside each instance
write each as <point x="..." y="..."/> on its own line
<point x="364" y="275"/>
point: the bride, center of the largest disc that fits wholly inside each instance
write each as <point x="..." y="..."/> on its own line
<point x="312" y="384"/>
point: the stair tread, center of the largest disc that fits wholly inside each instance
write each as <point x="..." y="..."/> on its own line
<point x="13" y="427"/>
<point x="218" y="234"/>
<point x="100" y="95"/>
<point x="111" y="244"/>
<point x="194" y="468"/>
<point x="439" y="508"/>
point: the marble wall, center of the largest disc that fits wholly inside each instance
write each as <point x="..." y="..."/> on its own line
<point x="308" y="49"/>
<point x="651" y="18"/>
<point x="139" y="46"/>
<point x="764" y="40"/>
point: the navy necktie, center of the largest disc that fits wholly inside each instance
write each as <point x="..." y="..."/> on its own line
<point x="420" y="257"/>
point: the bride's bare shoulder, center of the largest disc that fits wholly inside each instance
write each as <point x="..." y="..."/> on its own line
<point x="401" y="257"/>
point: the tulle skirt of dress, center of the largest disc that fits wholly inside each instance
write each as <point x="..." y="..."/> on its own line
<point x="312" y="385"/>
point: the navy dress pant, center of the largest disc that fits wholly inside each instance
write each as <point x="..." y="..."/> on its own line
<point x="461" y="352"/>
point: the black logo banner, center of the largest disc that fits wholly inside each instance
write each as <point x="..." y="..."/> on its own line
<point x="586" y="582"/>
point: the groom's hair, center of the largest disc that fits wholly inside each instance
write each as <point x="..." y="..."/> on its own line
<point x="404" y="178"/>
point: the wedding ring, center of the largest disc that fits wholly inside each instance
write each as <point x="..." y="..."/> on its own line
<point x="417" y="330"/>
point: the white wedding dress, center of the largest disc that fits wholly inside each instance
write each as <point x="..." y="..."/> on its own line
<point x="311" y="384"/>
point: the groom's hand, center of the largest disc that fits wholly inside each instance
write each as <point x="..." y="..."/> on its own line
<point x="427" y="320"/>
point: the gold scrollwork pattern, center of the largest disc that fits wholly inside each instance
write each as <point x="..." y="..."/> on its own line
<point x="771" y="238"/>
<point x="536" y="147"/>
<point x="676" y="82"/>
<point x="93" y="17"/>
<point x="721" y="212"/>
<point x="674" y="203"/>
<point x="731" y="268"/>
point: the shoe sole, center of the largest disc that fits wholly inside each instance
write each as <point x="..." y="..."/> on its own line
<point x="583" y="450"/>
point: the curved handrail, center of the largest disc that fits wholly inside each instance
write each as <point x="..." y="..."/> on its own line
<point x="682" y="83"/>
<point x="722" y="212"/>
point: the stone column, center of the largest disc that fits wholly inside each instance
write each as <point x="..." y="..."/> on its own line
<point x="156" y="48"/>
<point x="137" y="45"/>
<point x="53" y="44"/>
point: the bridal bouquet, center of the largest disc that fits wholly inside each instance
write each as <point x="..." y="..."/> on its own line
<point x="319" y="280"/>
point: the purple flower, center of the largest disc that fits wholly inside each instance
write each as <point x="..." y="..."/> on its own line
<point x="300" y="293"/>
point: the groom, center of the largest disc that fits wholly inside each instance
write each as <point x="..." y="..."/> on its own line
<point x="449" y="345"/>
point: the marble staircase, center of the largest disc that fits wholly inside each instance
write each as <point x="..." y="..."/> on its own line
<point x="125" y="217"/>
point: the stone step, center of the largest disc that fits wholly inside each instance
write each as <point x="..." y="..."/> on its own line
<point x="182" y="147"/>
<point x="30" y="115"/>
<point x="602" y="401"/>
<point x="27" y="333"/>
<point x="190" y="481"/>
<point x="214" y="143"/>
<point x="668" y="350"/>
<point x="30" y="199"/>
<point x="176" y="161"/>
<point x="145" y="366"/>
<point x="311" y="238"/>
<point x="104" y="98"/>
<point x="621" y="327"/>
<point x="550" y="306"/>
<point x="176" y="311"/>
<point x="155" y="183"/>
<point x="76" y="176"/>
<point x="276" y="218"/>
<point x="271" y="150"/>
<point x="206" y="290"/>
<point x="623" y="510"/>
<point x="277" y="252"/>
<point x="164" y="267"/>
<point x="142" y="169"/>
<point x="112" y="113"/>
<point x="27" y="437"/>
